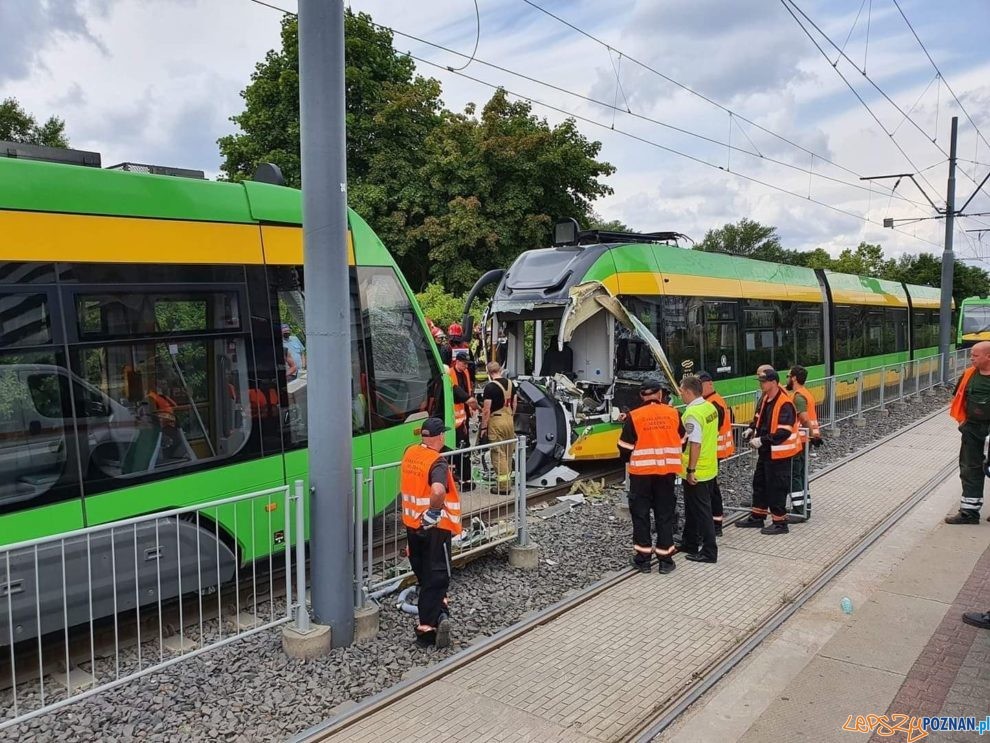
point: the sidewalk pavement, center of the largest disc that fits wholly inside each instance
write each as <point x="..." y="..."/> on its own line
<point x="904" y="650"/>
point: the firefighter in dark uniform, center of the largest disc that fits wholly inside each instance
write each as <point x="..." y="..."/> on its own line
<point x="465" y="405"/>
<point x="774" y="435"/>
<point x="650" y="443"/>
<point x="431" y="513"/>
<point x="971" y="410"/>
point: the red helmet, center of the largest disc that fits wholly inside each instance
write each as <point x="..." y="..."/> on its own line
<point x="455" y="330"/>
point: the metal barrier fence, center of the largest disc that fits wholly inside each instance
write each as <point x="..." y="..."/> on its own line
<point x="490" y="515"/>
<point x="86" y="611"/>
<point x="845" y="397"/>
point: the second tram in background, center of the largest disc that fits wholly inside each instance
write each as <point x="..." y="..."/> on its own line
<point x="580" y="323"/>
<point x="974" y="321"/>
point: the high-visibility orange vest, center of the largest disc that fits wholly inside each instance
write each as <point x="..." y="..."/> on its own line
<point x="726" y="441"/>
<point x="791" y="446"/>
<point x="812" y="411"/>
<point x="460" y="409"/>
<point x="414" y="484"/>
<point x="958" y="408"/>
<point x="657" y="450"/>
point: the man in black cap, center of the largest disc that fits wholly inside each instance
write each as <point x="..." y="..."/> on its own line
<point x="774" y="435"/>
<point x="650" y="443"/>
<point x="431" y="513"/>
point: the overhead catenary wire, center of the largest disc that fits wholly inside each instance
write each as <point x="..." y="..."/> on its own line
<point x="630" y="135"/>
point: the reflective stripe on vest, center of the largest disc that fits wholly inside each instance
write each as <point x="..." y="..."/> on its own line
<point x="460" y="409"/>
<point x="812" y="412"/>
<point x="958" y="407"/>
<point x="658" y="443"/>
<point x="726" y="441"/>
<point x="791" y="446"/>
<point x="415" y="488"/>
<point x="706" y="416"/>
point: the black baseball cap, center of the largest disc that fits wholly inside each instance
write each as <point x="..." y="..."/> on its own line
<point x="462" y="354"/>
<point x="653" y="385"/>
<point x="433" y="427"/>
<point x="704" y="376"/>
<point x="768" y="375"/>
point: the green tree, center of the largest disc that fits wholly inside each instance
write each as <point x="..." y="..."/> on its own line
<point x="451" y="195"/>
<point x="926" y="269"/>
<point x="441" y="307"/>
<point x="865" y="260"/>
<point x="17" y="125"/>
<point x="750" y="239"/>
<point x="597" y="222"/>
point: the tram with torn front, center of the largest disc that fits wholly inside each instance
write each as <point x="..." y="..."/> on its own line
<point x="581" y="323"/>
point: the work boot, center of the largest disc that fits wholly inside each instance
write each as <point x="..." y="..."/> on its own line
<point x="642" y="567"/>
<point x="443" y="632"/>
<point x="718" y="528"/>
<point x="777" y="527"/>
<point x="977" y="619"/>
<point x="750" y="523"/>
<point x="666" y="567"/>
<point x="963" y="517"/>
<point x="466" y="487"/>
<point x="795" y="518"/>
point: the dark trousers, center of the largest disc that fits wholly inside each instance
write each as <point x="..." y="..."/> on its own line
<point x="429" y="556"/>
<point x="718" y="510"/>
<point x="652" y="493"/>
<point x="797" y="484"/>
<point x="771" y="481"/>
<point x="971" y="464"/>
<point x="699" y="528"/>
<point x="462" y="462"/>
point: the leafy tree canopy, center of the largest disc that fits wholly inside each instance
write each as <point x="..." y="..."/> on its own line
<point x="450" y="194"/>
<point x="17" y="125"/>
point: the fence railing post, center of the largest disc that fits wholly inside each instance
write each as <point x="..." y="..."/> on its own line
<point x="917" y="381"/>
<point x="900" y="383"/>
<point x="359" y="538"/>
<point x="522" y="530"/>
<point x="931" y="374"/>
<point x="860" y="383"/>
<point x="830" y="391"/>
<point x="302" y="613"/>
<point x="883" y="387"/>
<point x="807" y="469"/>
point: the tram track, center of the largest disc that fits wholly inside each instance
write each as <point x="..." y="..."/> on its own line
<point x="667" y="711"/>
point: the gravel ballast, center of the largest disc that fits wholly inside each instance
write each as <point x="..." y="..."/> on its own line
<point x="251" y="691"/>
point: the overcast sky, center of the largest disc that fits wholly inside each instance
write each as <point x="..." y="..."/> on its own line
<point x="156" y="81"/>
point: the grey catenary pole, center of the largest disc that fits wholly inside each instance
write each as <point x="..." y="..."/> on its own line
<point x="948" y="261"/>
<point x="321" y="119"/>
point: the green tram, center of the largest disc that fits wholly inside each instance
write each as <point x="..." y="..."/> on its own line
<point x="564" y="317"/>
<point x="974" y="321"/>
<point x="145" y="362"/>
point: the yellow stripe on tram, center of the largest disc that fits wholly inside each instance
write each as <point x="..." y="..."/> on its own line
<point x="284" y="246"/>
<point x="47" y="237"/>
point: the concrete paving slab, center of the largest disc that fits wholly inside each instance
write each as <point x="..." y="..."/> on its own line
<point x="866" y="641"/>
<point x="938" y="580"/>
<point x="815" y="706"/>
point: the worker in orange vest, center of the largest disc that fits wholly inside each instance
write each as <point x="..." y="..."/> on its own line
<point x="807" y="413"/>
<point x="726" y="443"/>
<point x="775" y="438"/>
<point x="431" y="513"/>
<point x="465" y="405"/>
<point x="650" y="443"/>
<point x="971" y="409"/>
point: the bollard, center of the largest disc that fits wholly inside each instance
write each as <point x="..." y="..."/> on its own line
<point x="523" y="554"/>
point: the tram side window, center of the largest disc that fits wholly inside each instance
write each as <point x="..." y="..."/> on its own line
<point x="809" y="337"/>
<point x="895" y="322"/>
<point x="872" y="331"/>
<point x="768" y="333"/>
<point x="24" y="320"/>
<point x="404" y="378"/>
<point x="721" y="339"/>
<point x="164" y="403"/>
<point x="925" y="329"/>
<point x="850" y="340"/>
<point x="683" y="332"/>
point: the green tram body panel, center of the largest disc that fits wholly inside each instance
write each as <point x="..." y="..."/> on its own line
<point x="32" y="191"/>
